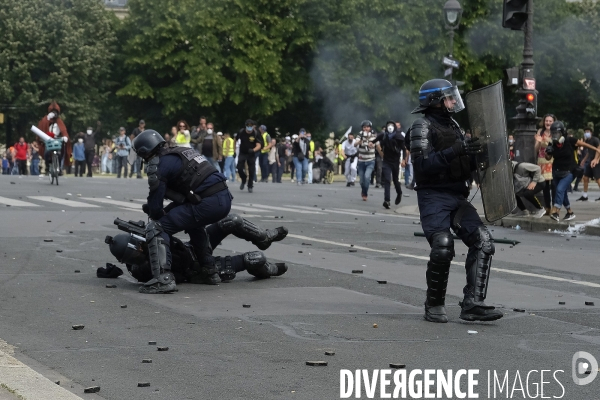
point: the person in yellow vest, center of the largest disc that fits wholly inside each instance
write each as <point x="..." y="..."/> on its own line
<point x="183" y="134"/>
<point x="229" y="157"/>
<point x="311" y="157"/>
<point x="263" y="158"/>
<point x="339" y="155"/>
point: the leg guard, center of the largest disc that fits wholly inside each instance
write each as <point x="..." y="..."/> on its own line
<point x="226" y="267"/>
<point x="257" y="265"/>
<point x="477" y="266"/>
<point x="163" y="280"/>
<point x="438" y="268"/>
<point x="244" y="229"/>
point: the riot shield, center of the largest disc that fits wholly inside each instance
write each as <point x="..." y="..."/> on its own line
<point x="485" y="107"/>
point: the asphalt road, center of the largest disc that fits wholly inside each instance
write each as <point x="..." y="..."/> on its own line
<point x="218" y="349"/>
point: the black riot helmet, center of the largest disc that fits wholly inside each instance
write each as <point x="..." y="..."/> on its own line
<point x="148" y="143"/>
<point x="434" y="92"/>
<point x="557" y="131"/>
<point x="366" y="122"/>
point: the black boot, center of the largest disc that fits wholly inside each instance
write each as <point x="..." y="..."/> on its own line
<point x="257" y="265"/>
<point x="244" y="229"/>
<point x="437" y="281"/>
<point x="477" y="266"/>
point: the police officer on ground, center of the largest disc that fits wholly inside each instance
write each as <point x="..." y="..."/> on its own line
<point x="442" y="163"/>
<point x="249" y="145"/>
<point x="199" y="197"/>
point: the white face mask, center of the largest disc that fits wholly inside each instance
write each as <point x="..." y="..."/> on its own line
<point x="511" y="141"/>
<point x="391" y="128"/>
<point x="80" y="140"/>
<point x="89" y="131"/>
<point x="587" y="135"/>
<point x="209" y="131"/>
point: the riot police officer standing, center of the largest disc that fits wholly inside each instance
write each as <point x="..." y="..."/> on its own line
<point x="200" y="198"/>
<point x="442" y="163"/>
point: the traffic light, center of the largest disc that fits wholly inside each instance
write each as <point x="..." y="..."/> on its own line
<point x="514" y="14"/>
<point x="530" y="104"/>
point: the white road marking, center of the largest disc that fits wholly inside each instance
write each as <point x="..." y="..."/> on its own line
<point x="506" y="271"/>
<point x="16" y="203"/>
<point x="68" y="203"/>
<point x="353" y="213"/>
<point x="126" y="204"/>
<point x="288" y="209"/>
<point x="240" y="208"/>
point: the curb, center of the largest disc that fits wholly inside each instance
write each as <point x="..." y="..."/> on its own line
<point x="544" y="224"/>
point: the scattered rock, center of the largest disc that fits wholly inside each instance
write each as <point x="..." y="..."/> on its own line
<point x="357" y="271"/>
<point x="92" y="389"/>
<point x="147" y="361"/>
<point x="472" y="332"/>
<point x="77" y="271"/>
<point x="57" y="382"/>
<point x="82" y="222"/>
<point x="320" y="195"/>
<point x="70" y="231"/>
<point x="306" y="244"/>
<point x="152" y="342"/>
<point x="317" y="363"/>
<point x="589" y="303"/>
<point x="518" y="310"/>
<point x="382" y="220"/>
<point x="143" y="384"/>
<point x="246" y="305"/>
<point x="416" y="222"/>
<point x="393" y="248"/>
<point x="78" y="327"/>
<point x="108" y="197"/>
<point x="562" y="303"/>
<point x="406" y="195"/>
<point x="12" y="183"/>
<point x="164" y="348"/>
<point x="397" y="366"/>
<point x="330" y="353"/>
<point x="382" y="282"/>
<point x="351" y="245"/>
<point x="299" y="251"/>
<point x="48" y="221"/>
<point x="48" y="240"/>
<point x="276" y="217"/>
<point x="59" y="251"/>
<point x="352" y="250"/>
<point x="124" y="306"/>
<point x="375" y="326"/>
<point x="111" y="286"/>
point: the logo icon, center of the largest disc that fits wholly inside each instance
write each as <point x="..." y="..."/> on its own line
<point x="584" y="364"/>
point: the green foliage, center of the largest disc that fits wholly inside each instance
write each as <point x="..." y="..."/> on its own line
<point x="54" y="50"/>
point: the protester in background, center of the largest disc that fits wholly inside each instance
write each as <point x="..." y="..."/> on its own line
<point x="263" y="156"/>
<point x="122" y="144"/>
<point x="137" y="165"/>
<point x="282" y="157"/>
<point x="290" y="157"/>
<point x="366" y="156"/>
<point x="182" y="137"/>
<point x="542" y="140"/>
<point x="5" y="165"/>
<point x="390" y="145"/>
<point x="561" y="149"/>
<point x="300" y="149"/>
<point x="34" y="156"/>
<point x="339" y="155"/>
<point x="511" y="147"/>
<point x="106" y="165"/>
<point x="249" y="138"/>
<point x="528" y="181"/>
<point x="89" y="144"/>
<point x="21" y="150"/>
<point x="10" y="157"/>
<point x="351" y="155"/>
<point x="586" y="159"/>
<point x="311" y="156"/>
<point x="210" y="146"/>
<point x="79" y="155"/>
<point x="228" y="155"/>
<point x="273" y="160"/>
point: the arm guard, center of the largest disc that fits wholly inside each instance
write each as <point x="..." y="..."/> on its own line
<point x="153" y="177"/>
<point x="419" y="143"/>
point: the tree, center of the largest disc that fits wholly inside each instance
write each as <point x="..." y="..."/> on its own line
<point x="54" y="50"/>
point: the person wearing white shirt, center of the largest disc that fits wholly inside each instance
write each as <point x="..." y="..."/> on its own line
<point x="351" y="153"/>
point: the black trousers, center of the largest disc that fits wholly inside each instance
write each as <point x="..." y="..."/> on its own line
<point x="251" y="161"/>
<point x="529" y="195"/>
<point x="548" y="189"/>
<point x="390" y="173"/>
<point x="22" y="167"/>
<point x="79" y="167"/>
<point x="89" y="159"/>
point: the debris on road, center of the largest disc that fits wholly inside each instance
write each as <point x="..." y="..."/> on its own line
<point x="317" y="363"/>
<point x="375" y="326"/>
<point x="397" y="366"/>
<point x="152" y="342"/>
<point x="472" y="332"/>
<point x="59" y="251"/>
<point x="306" y="244"/>
<point x="92" y="389"/>
<point x="589" y="303"/>
<point x="78" y="327"/>
<point x="357" y="271"/>
<point x="124" y="306"/>
<point x="111" y="286"/>
<point x="518" y="310"/>
<point x="562" y="303"/>
<point x="143" y="384"/>
<point x="352" y="250"/>
<point x="246" y="305"/>
<point x="147" y="361"/>
<point x="48" y="240"/>
<point x="382" y="282"/>
<point x="77" y="271"/>
<point x="164" y="348"/>
<point x="330" y="353"/>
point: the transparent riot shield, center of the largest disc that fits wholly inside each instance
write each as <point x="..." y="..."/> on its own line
<point x="485" y="107"/>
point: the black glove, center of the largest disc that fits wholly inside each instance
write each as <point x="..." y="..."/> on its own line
<point x="145" y="208"/>
<point x="468" y="147"/>
<point x="251" y="152"/>
<point x="550" y="150"/>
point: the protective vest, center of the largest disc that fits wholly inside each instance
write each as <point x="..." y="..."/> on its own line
<point x="194" y="171"/>
<point x="311" y="150"/>
<point x="181" y="139"/>
<point x="460" y="167"/>
<point x="265" y="144"/>
<point x="228" y="147"/>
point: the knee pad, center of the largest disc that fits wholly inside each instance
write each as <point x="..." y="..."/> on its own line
<point x="442" y="247"/>
<point x="231" y="222"/>
<point x="483" y="240"/>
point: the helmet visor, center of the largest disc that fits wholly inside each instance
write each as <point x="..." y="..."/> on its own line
<point x="451" y="99"/>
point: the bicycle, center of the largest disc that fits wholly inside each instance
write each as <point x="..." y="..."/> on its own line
<point x="55" y="147"/>
<point x="328" y="177"/>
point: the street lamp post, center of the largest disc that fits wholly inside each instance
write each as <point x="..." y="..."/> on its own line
<point x="452" y="13"/>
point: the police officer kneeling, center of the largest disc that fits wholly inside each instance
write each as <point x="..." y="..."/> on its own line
<point x="442" y="161"/>
<point x="200" y="197"/>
